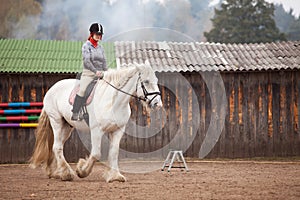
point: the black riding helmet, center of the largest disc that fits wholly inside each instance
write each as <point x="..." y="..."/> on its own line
<point x="96" y="28"/>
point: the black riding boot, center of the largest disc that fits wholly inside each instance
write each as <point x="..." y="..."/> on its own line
<point x="76" y="107"/>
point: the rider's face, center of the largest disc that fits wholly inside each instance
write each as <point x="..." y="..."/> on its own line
<point x="97" y="37"/>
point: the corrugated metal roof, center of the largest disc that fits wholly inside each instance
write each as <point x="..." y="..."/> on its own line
<point x="44" y="56"/>
<point x="36" y="56"/>
<point x="195" y="56"/>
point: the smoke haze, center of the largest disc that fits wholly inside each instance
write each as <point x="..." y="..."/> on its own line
<point x="70" y="19"/>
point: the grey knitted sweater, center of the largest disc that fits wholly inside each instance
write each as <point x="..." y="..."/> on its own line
<point x="93" y="58"/>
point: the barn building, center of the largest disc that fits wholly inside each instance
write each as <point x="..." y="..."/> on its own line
<point x="256" y="113"/>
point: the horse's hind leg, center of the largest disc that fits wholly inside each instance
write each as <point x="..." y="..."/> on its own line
<point x="62" y="132"/>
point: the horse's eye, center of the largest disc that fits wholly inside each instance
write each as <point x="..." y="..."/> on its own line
<point x="146" y="81"/>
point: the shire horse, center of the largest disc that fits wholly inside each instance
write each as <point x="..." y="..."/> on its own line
<point x="109" y="113"/>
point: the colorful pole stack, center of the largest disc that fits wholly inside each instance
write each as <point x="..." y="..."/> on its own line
<point x="16" y="116"/>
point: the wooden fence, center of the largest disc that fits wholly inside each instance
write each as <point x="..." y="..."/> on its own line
<point x="16" y="144"/>
<point x="262" y="116"/>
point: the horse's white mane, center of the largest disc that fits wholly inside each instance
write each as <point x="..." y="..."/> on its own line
<point x="119" y="77"/>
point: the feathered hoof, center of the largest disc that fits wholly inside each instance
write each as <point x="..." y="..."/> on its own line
<point x="67" y="175"/>
<point x="81" y="173"/>
<point x="113" y="175"/>
<point x="54" y="175"/>
<point x="32" y="166"/>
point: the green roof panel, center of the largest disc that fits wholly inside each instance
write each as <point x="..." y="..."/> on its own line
<point x="46" y="56"/>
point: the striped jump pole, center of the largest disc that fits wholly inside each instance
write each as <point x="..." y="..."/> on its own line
<point x="20" y="111"/>
<point x="21" y="104"/>
<point x="18" y="125"/>
<point x="19" y="114"/>
<point x="18" y="118"/>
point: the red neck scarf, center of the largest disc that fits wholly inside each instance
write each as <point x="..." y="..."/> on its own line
<point x="94" y="42"/>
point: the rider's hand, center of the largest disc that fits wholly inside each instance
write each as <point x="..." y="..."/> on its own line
<point x="100" y="74"/>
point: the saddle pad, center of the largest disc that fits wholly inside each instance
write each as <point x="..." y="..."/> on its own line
<point x="75" y="90"/>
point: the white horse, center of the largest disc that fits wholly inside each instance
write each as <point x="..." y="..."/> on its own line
<point x="109" y="113"/>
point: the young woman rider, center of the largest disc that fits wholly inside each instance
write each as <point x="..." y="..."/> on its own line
<point x="94" y="65"/>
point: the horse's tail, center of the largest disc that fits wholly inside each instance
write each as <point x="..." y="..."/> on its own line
<point x="43" y="154"/>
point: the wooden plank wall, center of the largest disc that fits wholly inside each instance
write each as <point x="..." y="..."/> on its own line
<point x="16" y="144"/>
<point x="262" y="117"/>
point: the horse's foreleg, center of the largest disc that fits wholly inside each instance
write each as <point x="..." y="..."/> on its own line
<point x="114" y="174"/>
<point x="61" y="133"/>
<point x="85" y="166"/>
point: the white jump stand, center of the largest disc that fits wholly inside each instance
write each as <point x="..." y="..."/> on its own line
<point x="171" y="158"/>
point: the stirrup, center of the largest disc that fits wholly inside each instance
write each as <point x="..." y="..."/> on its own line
<point x="75" y="117"/>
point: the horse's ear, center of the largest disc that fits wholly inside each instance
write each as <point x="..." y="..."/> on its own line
<point x="147" y="63"/>
<point x="137" y="65"/>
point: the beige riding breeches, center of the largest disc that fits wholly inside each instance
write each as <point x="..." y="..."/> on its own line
<point x="86" y="77"/>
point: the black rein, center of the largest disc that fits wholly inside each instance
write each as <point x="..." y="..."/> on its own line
<point x="146" y="93"/>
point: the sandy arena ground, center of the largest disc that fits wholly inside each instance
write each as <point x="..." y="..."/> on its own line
<point x="205" y="180"/>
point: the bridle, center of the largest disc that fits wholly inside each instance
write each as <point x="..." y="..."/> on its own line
<point x="145" y="92"/>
